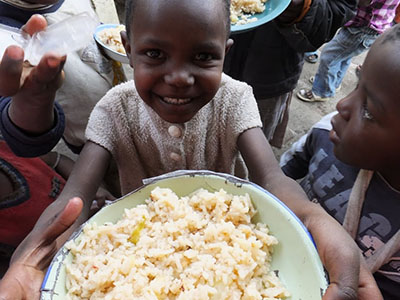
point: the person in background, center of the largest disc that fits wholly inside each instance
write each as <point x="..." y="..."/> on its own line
<point x="349" y="162"/>
<point x="270" y="57"/>
<point x="27" y="187"/>
<point x="181" y="112"/>
<point x="355" y="37"/>
<point x="30" y="120"/>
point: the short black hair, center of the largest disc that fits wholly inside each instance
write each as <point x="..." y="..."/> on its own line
<point x="130" y="7"/>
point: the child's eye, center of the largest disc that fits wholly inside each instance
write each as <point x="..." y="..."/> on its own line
<point x="365" y="112"/>
<point x="156" y="54"/>
<point x="203" y="57"/>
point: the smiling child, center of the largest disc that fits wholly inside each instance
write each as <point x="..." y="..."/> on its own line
<point x="182" y="112"/>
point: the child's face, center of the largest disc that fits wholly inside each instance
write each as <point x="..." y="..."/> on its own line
<point x="366" y="131"/>
<point x="177" y="49"/>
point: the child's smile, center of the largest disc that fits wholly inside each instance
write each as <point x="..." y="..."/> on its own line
<point x="176" y="101"/>
<point x="177" y="58"/>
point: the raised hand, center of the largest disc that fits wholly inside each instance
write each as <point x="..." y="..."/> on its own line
<point x="32" y="88"/>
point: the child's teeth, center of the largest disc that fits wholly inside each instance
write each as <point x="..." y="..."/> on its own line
<point x="176" y="100"/>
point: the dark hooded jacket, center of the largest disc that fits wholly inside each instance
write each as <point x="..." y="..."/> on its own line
<point x="270" y="57"/>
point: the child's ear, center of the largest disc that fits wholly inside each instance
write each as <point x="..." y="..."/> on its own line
<point x="127" y="45"/>
<point x="228" y="45"/>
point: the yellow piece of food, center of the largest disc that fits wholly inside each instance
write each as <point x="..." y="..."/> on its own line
<point x="135" y="236"/>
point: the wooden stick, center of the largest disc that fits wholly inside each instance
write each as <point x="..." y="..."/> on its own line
<point x="383" y="255"/>
<point x="356" y="200"/>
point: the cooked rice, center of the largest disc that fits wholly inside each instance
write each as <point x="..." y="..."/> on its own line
<point x="243" y="10"/>
<point x="111" y="37"/>
<point x="202" y="246"/>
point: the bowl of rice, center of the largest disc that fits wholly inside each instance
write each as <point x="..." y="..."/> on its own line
<point x="248" y="14"/>
<point x="189" y="235"/>
<point x="108" y="38"/>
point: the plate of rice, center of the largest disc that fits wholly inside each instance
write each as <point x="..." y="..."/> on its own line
<point x="108" y="38"/>
<point x="248" y="14"/>
<point x="189" y="235"/>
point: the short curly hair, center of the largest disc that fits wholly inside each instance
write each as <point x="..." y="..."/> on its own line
<point x="130" y="7"/>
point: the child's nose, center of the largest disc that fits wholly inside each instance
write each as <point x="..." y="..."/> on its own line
<point x="344" y="107"/>
<point x="179" y="78"/>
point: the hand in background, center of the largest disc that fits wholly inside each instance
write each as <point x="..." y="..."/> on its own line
<point x="32" y="257"/>
<point x="32" y="88"/>
<point x="292" y="12"/>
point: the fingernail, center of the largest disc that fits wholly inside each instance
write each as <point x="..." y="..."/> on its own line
<point x="15" y="53"/>
<point x="53" y="62"/>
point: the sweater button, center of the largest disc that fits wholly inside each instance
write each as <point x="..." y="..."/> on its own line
<point x="174" y="131"/>
<point x="174" y="156"/>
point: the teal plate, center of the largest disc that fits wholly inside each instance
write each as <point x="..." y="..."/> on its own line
<point x="295" y="259"/>
<point x="273" y="8"/>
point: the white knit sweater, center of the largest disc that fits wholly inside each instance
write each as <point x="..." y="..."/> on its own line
<point x="144" y="145"/>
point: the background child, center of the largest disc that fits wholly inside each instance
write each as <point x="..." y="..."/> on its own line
<point x="27" y="187"/>
<point x="24" y="277"/>
<point x="363" y="135"/>
<point x="181" y="112"/>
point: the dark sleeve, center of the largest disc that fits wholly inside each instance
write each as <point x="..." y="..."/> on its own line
<point x="319" y="25"/>
<point x="295" y="161"/>
<point x="26" y="145"/>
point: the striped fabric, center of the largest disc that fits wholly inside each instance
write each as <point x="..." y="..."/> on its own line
<point x="378" y="15"/>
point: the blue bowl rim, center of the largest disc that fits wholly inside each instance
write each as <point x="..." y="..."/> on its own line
<point x="265" y="17"/>
<point x="100" y="28"/>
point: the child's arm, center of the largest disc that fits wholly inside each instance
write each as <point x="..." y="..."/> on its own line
<point x="83" y="182"/>
<point x="62" y="164"/>
<point x="337" y="250"/>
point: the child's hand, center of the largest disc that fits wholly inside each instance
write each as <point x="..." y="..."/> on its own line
<point x="349" y="278"/>
<point x="102" y="196"/>
<point x="31" y="259"/>
<point x="32" y="88"/>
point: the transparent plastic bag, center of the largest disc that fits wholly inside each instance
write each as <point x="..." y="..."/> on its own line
<point x="61" y="38"/>
<point x="10" y="36"/>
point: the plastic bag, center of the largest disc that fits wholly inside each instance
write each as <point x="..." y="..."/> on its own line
<point x="61" y="38"/>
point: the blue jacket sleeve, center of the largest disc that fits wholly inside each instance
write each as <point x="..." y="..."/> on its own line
<point x="23" y="144"/>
